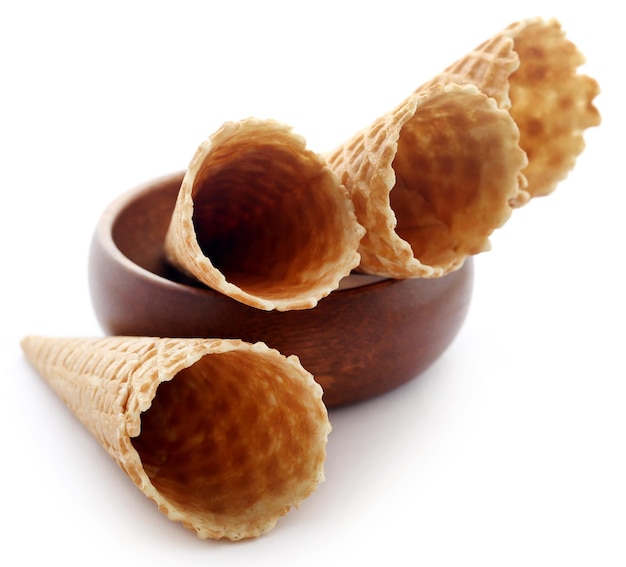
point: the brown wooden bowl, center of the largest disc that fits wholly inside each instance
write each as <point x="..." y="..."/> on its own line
<point x="364" y="339"/>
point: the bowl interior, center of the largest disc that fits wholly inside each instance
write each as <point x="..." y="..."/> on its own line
<point x="139" y="228"/>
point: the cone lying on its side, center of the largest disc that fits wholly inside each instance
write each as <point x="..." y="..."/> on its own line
<point x="262" y="219"/>
<point x="431" y="180"/>
<point x="530" y="68"/>
<point x="223" y="435"/>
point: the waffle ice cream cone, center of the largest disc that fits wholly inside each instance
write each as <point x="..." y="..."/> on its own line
<point x="431" y="180"/>
<point x="262" y="219"/>
<point x="224" y="436"/>
<point x="531" y="69"/>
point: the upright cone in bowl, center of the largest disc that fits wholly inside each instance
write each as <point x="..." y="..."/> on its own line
<point x="262" y="219"/>
<point x="431" y="180"/>
<point x="531" y="69"/>
<point x="225" y="436"/>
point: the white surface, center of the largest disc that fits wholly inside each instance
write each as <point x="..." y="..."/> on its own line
<point x="509" y="451"/>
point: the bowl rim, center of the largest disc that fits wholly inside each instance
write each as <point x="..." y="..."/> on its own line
<point x="103" y="234"/>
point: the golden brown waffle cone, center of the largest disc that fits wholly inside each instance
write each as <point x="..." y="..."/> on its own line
<point x="262" y="219"/>
<point x="431" y="180"/>
<point x="530" y="68"/>
<point x="223" y="435"/>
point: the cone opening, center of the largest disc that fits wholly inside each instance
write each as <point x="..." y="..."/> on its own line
<point x="233" y="439"/>
<point x="456" y="169"/>
<point x="271" y="217"/>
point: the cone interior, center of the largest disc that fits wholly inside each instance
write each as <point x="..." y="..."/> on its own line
<point x="227" y="440"/>
<point x="455" y="172"/>
<point x="270" y="218"/>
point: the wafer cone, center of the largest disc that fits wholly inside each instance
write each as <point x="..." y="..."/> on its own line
<point x="262" y="219"/>
<point x="223" y="435"/>
<point x="431" y="180"/>
<point x="531" y="69"/>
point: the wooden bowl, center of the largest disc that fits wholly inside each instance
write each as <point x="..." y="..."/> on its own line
<point x="364" y="339"/>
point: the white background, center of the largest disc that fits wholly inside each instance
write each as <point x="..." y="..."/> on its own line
<point x="509" y="451"/>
